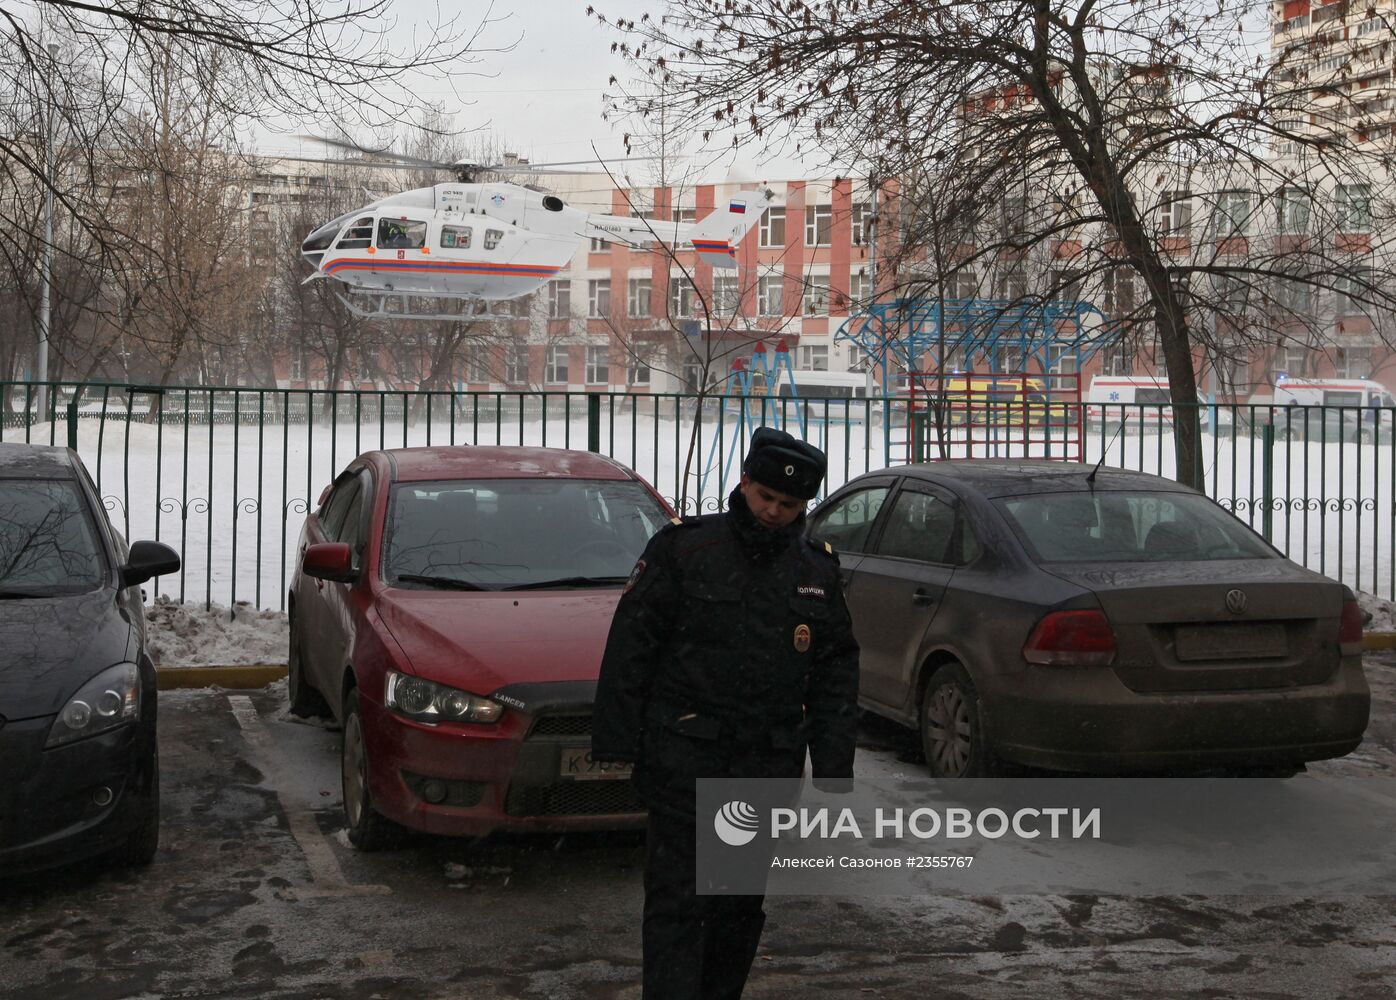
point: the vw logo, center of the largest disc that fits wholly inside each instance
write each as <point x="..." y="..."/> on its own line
<point x="1236" y="601"/>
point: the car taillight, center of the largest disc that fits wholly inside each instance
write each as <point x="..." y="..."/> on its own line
<point x="1350" y="629"/>
<point x="1071" y="639"/>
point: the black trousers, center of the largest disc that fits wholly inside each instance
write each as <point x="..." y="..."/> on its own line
<point x="696" y="947"/>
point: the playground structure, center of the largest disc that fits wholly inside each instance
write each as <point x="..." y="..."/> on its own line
<point x="1008" y="410"/>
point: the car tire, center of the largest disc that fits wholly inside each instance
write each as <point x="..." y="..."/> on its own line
<point x="368" y="829"/>
<point x="305" y="700"/>
<point x="952" y="731"/>
<point x="142" y="843"/>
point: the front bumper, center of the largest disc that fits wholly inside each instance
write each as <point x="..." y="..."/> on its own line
<point x="506" y="776"/>
<point x="1085" y="719"/>
<point x="51" y="811"/>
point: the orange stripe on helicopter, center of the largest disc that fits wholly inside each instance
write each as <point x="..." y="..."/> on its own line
<point x="444" y="267"/>
<point x="714" y="246"/>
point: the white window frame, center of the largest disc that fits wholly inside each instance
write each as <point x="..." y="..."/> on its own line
<point x="814" y="299"/>
<point x="599" y="298"/>
<point x="813" y="357"/>
<point x="770" y="295"/>
<point x="771" y="221"/>
<point x="639" y="297"/>
<point x="559" y="299"/>
<point x="727" y="293"/>
<point x="555" y="365"/>
<point x="598" y="368"/>
<point x="819" y="221"/>
<point x="1353" y="206"/>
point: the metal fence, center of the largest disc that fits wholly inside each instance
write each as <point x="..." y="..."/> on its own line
<point x="226" y="475"/>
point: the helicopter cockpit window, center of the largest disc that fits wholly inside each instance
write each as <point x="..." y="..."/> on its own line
<point x="455" y="237"/>
<point x="358" y="235"/>
<point x="401" y="234"/>
<point x="552" y="203"/>
<point x="492" y="238"/>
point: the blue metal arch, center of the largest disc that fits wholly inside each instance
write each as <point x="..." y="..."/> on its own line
<point x="905" y="329"/>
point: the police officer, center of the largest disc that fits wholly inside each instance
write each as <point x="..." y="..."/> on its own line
<point x="730" y="654"/>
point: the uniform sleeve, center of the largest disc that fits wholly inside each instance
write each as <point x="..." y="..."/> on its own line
<point x="643" y="619"/>
<point x="832" y="698"/>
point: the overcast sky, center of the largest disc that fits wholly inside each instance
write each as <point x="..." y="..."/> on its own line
<point x="543" y="98"/>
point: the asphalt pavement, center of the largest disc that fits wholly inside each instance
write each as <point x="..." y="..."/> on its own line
<point x="256" y="893"/>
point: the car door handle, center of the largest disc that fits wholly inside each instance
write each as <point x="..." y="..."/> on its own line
<point x="923" y="597"/>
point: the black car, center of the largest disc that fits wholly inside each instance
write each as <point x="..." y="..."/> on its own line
<point x="1025" y="612"/>
<point x="77" y="688"/>
<point x="1326" y="424"/>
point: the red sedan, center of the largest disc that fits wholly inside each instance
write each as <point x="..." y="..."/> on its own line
<point x="450" y="607"/>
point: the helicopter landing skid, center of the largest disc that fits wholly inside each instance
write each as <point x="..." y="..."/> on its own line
<point x="383" y="312"/>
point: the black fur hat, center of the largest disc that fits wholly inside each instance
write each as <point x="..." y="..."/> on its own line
<point x="780" y="461"/>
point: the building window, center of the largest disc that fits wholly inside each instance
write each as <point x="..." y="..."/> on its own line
<point x="770" y="291"/>
<point x="599" y="245"/>
<point x="1354" y="291"/>
<point x="1293" y="296"/>
<point x="477" y="369"/>
<point x="1066" y="284"/>
<point x="1294" y="211"/>
<point x="1119" y="360"/>
<point x="555" y="370"/>
<point x="964" y="284"/>
<point x="1015" y="215"/>
<point x="1061" y="359"/>
<point x="1354" y="362"/>
<point x="1013" y="283"/>
<point x="599" y="297"/>
<point x="1295" y="361"/>
<point x="686" y="216"/>
<point x="857" y="359"/>
<point x="598" y="365"/>
<point x="858" y="289"/>
<point x="637" y="297"/>
<point x="1233" y="294"/>
<point x="772" y="230"/>
<point x="516" y="364"/>
<point x="1175" y="214"/>
<point x="559" y="299"/>
<point x="1354" y="205"/>
<point x="813" y="358"/>
<point x="819" y="225"/>
<point x="862" y="223"/>
<point x="681" y="296"/>
<point x="1233" y="214"/>
<point x="816" y="297"/>
<point x="638" y="370"/>
<point x="1117" y="288"/>
<point x="726" y="295"/>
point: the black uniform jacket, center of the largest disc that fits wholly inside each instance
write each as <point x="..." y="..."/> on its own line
<point x="731" y="647"/>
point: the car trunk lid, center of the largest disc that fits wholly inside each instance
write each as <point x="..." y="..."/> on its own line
<point x="1216" y="625"/>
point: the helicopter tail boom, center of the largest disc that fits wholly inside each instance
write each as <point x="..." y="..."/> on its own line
<point x="716" y="236"/>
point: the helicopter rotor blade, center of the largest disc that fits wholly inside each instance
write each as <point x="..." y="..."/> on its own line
<point x="407" y="159"/>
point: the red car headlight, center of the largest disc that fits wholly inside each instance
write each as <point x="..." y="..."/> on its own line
<point x="427" y="701"/>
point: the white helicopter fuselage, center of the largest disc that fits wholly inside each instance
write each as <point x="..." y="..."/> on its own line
<point x="494" y="241"/>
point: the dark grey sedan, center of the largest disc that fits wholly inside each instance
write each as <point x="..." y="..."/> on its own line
<point x="1017" y="611"/>
<point x="77" y="689"/>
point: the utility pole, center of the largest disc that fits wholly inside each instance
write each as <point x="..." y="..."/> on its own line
<point x="46" y="276"/>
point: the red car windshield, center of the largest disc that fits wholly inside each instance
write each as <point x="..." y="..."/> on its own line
<point x="496" y="534"/>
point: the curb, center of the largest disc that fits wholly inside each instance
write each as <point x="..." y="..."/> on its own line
<point x="240" y="677"/>
<point x="1379" y="640"/>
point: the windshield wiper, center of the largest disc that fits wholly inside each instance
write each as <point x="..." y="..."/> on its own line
<point x="443" y="582"/>
<point x="570" y="581"/>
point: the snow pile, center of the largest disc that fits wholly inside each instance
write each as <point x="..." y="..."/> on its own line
<point x="188" y="635"/>
<point x="1383" y="613"/>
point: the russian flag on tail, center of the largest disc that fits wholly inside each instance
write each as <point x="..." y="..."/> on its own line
<point x="737" y="208"/>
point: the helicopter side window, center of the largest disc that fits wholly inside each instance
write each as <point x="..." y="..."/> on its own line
<point x="492" y="238"/>
<point x="357" y="236"/>
<point x="455" y="237"/>
<point x="401" y="234"/>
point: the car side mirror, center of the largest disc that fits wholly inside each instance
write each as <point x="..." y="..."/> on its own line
<point x="146" y="560"/>
<point x="332" y="561"/>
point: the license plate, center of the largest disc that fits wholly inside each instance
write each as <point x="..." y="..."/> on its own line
<point x="578" y="765"/>
<point x="1260" y="641"/>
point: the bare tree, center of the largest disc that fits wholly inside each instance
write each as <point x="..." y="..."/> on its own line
<point x="1111" y="105"/>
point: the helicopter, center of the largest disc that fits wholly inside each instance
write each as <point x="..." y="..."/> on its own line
<point x="488" y="242"/>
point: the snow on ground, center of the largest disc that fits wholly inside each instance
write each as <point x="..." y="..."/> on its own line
<point x="188" y="635"/>
<point x="230" y="498"/>
<point x="1383" y="613"/>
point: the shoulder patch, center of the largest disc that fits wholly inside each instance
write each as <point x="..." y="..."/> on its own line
<point x="828" y="548"/>
<point x="676" y="520"/>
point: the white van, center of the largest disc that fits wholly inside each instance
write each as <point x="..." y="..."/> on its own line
<point x="1332" y="392"/>
<point x="1145" y="399"/>
<point x="816" y="387"/>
